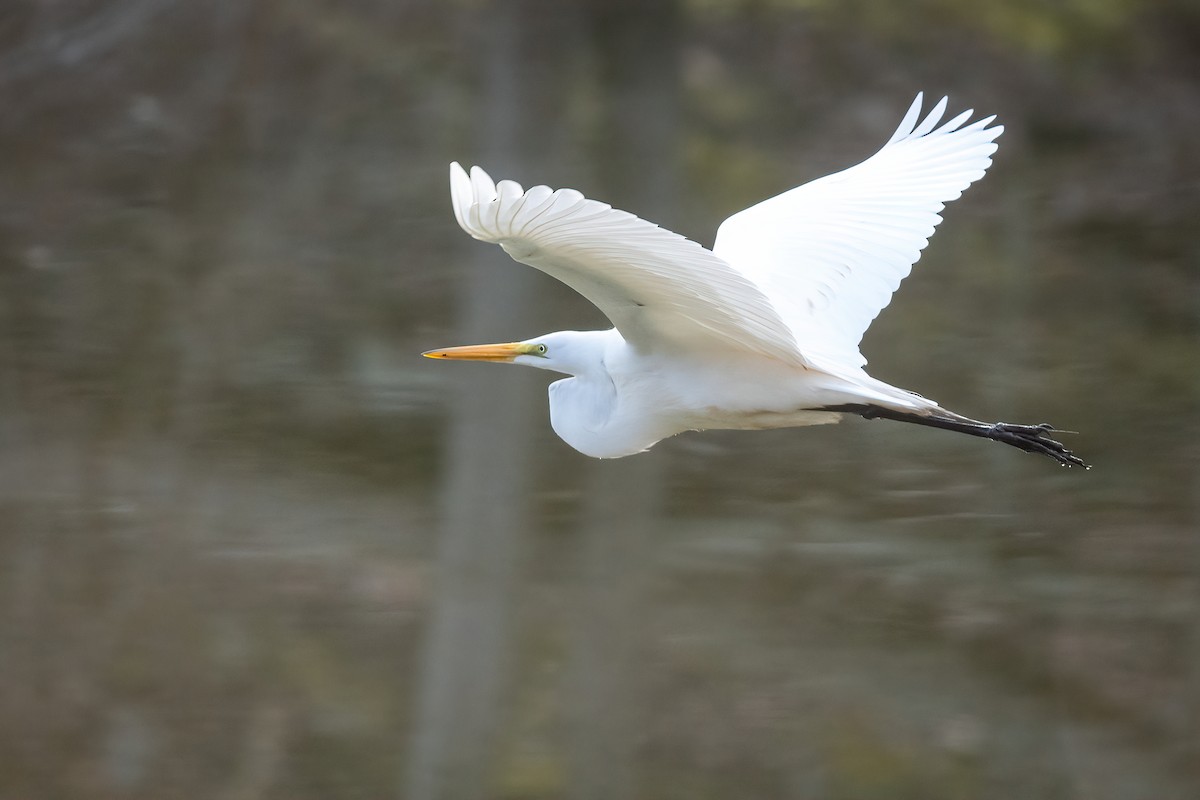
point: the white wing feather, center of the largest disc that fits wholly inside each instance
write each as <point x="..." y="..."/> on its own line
<point x="660" y="290"/>
<point x="829" y="254"/>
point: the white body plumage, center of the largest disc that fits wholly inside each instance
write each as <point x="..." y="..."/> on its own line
<point x="619" y="401"/>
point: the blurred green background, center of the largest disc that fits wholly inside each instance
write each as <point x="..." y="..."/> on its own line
<point x="253" y="546"/>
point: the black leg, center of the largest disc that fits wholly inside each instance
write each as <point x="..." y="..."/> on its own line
<point x="1030" y="438"/>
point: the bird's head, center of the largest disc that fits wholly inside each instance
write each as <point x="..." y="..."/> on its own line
<point x="569" y="352"/>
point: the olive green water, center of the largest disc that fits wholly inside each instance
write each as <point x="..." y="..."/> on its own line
<point x="251" y="545"/>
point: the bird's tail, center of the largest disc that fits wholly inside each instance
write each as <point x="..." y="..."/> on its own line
<point x="1030" y="438"/>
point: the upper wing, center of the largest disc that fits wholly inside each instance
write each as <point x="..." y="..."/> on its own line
<point x="659" y="289"/>
<point x="829" y="254"/>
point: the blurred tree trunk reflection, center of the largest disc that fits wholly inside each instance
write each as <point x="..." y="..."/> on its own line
<point x="639" y="67"/>
<point x="486" y="518"/>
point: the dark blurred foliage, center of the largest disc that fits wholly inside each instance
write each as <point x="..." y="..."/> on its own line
<point x="225" y="235"/>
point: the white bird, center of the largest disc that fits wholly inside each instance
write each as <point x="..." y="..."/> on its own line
<point x="760" y="332"/>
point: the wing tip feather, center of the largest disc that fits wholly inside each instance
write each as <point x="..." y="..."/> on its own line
<point x="460" y="194"/>
<point x="909" y="120"/>
<point x="914" y="126"/>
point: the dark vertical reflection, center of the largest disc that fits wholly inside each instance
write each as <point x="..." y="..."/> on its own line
<point x="485" y="503"/>
<point x="1190" y="750"/>
<point x="638" y="62"/>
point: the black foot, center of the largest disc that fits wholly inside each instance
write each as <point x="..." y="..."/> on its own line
<point x="1035" y="439"/>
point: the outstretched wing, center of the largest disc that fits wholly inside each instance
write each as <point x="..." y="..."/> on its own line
<point x="829" y="254"/>
<point x="660" y="290"/>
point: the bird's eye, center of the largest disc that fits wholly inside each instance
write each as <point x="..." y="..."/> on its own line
<point x="541" y="349"/>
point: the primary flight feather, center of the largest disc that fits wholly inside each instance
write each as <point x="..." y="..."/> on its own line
<point x="760" y="332"/>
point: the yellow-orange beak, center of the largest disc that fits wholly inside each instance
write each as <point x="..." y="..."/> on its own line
<point x="483" y="352"/>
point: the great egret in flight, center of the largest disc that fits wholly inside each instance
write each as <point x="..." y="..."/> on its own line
<point x="762" y="331"/>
